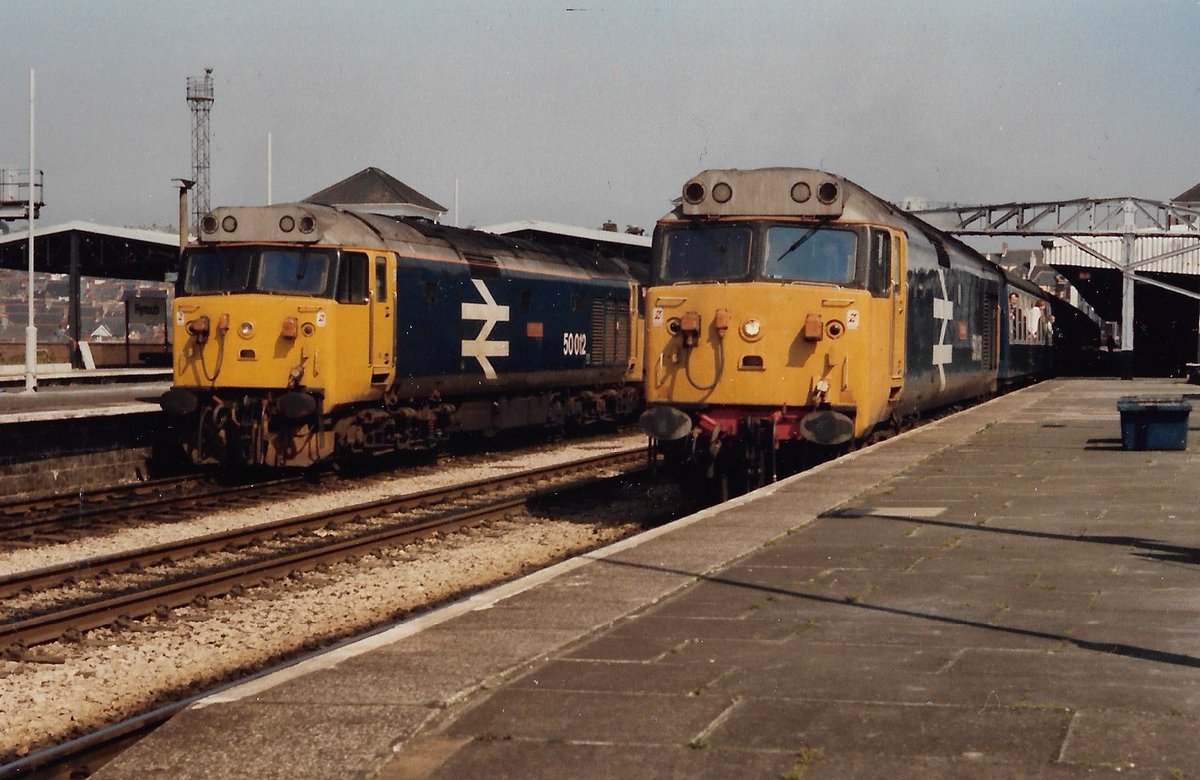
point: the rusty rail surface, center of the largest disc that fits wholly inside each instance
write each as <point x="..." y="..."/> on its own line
<point x="29" y="522"/>
<point x="20" y="634"/>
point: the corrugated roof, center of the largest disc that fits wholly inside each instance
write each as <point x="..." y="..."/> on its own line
<point x="1144" y="247"/>
<point x="371" y="186"/>
<point x="104" y="251"/>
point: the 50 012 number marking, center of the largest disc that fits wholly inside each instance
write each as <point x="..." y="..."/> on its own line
<point x="574" y="344"/>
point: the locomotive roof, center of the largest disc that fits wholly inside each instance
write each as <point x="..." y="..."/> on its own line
<point x="795" y="192"/>
<point x="332" y="226"/>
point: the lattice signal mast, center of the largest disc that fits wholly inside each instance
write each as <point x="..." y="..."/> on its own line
<point x="200" y="100"/>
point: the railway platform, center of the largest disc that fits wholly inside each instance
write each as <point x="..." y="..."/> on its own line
<point x="79" y="429"/>
<point x="1003" y="593"/>
<point x="73" y="397"/>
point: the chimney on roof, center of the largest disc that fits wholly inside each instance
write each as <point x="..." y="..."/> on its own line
<point x="609" y="226"/>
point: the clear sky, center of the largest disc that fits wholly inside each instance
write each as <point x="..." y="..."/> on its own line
<point x="580" y="111"/>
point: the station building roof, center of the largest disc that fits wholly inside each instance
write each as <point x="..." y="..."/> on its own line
<point x="103" y="251"/>
<point x="1190" y="196"/>
<point x="377" y="192"/>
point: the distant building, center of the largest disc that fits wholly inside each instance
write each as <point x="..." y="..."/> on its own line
<point x="1190" y="198"/>
<point x="377" y="192"/>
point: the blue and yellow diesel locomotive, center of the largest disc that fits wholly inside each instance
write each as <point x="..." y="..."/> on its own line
<point x="789" y="308"/>
<point x="305" y="333"/>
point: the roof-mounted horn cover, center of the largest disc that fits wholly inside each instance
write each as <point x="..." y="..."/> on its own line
<point x="768" y="192"/>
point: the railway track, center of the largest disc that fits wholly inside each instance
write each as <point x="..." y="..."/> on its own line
<point x="33" y="522"/>
<point x="373" y="527"/>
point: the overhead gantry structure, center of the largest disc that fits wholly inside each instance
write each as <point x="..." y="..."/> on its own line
<point x="1083" y="223"/>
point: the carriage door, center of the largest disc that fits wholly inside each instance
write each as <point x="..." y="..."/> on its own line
<point x="383" y="330"/>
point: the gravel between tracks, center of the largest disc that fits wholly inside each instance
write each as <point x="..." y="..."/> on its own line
<point x="106" y="678"/>
<point x="35" y="558"/>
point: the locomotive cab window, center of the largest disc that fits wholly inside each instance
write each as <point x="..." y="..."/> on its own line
<point x="352" y="278"/>
<point x="704" y="253"/>
<point x="879" y="278"/>
<point x="248" y="269"/>
<point x="216" y="271"/>
<point x="811" y="253"/>
<point x="381" y="285"/>
<point x="292" y="271"/>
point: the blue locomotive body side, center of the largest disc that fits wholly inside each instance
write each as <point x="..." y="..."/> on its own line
<point x="950" y="350"/>
<point x="471" y="327"/>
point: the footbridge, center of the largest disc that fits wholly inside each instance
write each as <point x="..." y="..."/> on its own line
<point x="1107" y="247"/>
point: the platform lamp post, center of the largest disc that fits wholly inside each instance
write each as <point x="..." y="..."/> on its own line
<point x="183" y="185"/>
<point x="31" y="215"/>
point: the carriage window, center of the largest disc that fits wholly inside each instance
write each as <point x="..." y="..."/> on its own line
<point x="811" y="254"/>
<point x="880" y="279"/>
<point x="352" y="278"/>
<point x="705" y="253"/>
<point x="381" y="285"/>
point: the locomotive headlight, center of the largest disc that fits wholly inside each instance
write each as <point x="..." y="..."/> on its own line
<point x="246" y="329"/>
<point x="229" y="224"/>
<point x="751" y="330"/>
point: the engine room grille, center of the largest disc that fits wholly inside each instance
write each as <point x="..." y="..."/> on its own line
<point x="610" y="333"/>
<point x="991" y="312"/>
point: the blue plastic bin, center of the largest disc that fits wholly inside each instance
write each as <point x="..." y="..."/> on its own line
<point x="1153" y="423"/>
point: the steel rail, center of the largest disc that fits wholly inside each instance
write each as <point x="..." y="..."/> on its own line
<point x="131" y="606"/>
<point x="51" y="626"/>
<point x="66" y="573"/>
<point x="15" y="529"/>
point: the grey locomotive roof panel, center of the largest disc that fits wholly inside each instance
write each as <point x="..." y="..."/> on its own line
<point x="408" y="236"/>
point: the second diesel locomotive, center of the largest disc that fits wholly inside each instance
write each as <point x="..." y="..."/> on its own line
<point x="307" y="333"/>
<point x="789" y="309"/>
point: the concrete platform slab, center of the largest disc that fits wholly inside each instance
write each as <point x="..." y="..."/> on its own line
<point x="1004" y="593"/>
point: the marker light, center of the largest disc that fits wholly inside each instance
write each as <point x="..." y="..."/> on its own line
<point x="229" y="224"/>
<point x="287" y="223"/>
<point x="722" y="192"/>
<point x="693" y="192"/>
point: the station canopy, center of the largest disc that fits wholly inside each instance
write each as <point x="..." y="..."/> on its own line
<point x="95" y="250"/>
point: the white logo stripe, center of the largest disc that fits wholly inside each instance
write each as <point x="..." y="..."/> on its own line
<point x="490" y="313"/>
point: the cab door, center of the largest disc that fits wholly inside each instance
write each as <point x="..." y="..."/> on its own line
<point x="899" y="295"/>
<point x="382" y="336"/>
